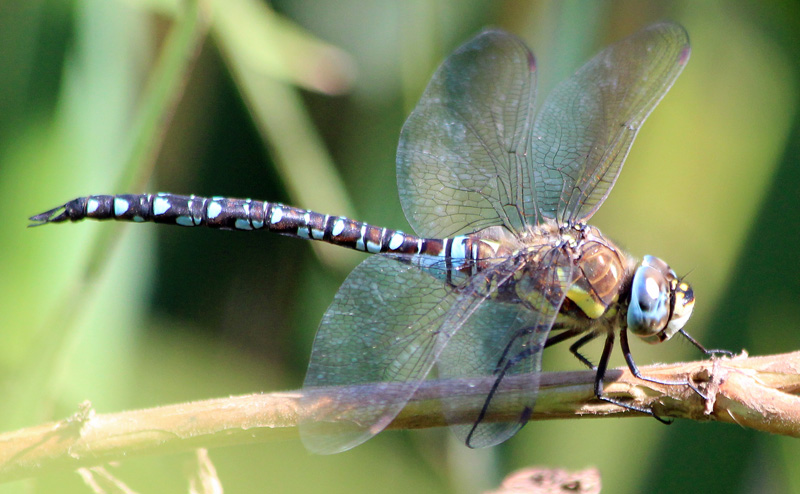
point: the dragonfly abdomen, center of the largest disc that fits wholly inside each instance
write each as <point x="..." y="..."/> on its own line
<point x="233" y="214"/>
<point x="246" y="214"/>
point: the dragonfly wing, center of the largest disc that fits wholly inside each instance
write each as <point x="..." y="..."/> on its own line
<point x="376" y="343"/>
<point x="460" y="161"/>
<point x="586" y="126"/>
<point x="504" y="341"/>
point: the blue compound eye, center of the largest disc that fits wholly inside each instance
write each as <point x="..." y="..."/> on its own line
<point x="649" y="307"/>
<point x="660" y="303"/>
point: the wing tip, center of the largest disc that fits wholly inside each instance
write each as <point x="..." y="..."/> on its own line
<point x="531" y="61"/>
<point x="683" y="58"/>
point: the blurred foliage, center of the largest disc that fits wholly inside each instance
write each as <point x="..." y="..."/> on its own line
<point x="302" y="102"/>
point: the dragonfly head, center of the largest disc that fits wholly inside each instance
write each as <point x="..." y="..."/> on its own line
<point x="660" y="303"/>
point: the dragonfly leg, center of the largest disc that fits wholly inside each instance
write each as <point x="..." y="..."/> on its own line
<point x="571" y="333"/>
<point x="578" y="344"/>
<point x="562" y="336"/>
<point x="626" y="351"/>
<point x="501" y="372"/>
<point x="700" y="347"/>
<point x="502" y="362"/>
<point x="602" y="366"/>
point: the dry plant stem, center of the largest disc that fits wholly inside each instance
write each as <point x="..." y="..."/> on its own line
<point x="550" y="481"/>
<point x="756" y="392"/>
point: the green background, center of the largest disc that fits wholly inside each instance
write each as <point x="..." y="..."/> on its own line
<point x="302" y="102"/>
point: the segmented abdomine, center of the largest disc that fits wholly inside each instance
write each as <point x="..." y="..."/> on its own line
<point x="246" y="214"/>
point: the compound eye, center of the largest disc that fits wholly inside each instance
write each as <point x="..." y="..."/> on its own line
<point x="660" y="266"/>
<point x="649" y="309"/>
<point x="682" y="310"/>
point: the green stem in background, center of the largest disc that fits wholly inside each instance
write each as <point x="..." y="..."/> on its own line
<point x="157" y="106"/>
<point x="278" y="111"/>
<point x="159" y="100"/>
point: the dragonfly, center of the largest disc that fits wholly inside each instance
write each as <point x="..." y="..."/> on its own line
<point x="503" y="263"/>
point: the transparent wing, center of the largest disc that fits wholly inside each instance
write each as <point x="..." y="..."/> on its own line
<point x="460" y="161"/>
<point x="503" y="340"/>
<point x="586" y="126"/>
<point x="378" y="341"/>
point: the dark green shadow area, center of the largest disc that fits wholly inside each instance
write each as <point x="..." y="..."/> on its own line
<point x="708" y="457"/>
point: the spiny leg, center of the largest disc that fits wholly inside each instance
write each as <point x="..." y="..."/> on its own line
<point x="502" y="359"/>
<point x="571" y="333"/>
<point x="626" y="352"/>
<point x="709" y="353"/>
<point x="602" y="366"/>
<point x="578" y="344"/>
<point x="562" y="336"/>
<point x="501" y="372"/>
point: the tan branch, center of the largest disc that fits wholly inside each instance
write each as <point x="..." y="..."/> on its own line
<point x="756" y="392"/>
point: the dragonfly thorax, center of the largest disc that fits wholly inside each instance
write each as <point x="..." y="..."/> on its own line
<point x="600" y="270"/>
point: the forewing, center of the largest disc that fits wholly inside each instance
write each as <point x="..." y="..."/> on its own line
<point x="460" y="163"/>
<point x="503" y="341"/>
<point x="377" y="341"/>
<point x="587" y="125"/>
